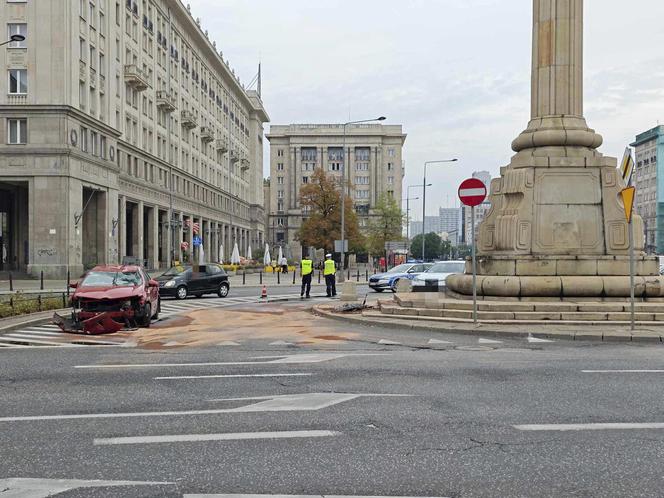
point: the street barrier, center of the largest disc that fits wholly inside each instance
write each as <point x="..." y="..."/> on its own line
<point x="358" y="274"/>
<point x="244" y="278"/>
<point x="293" y="277"/>
<point x="279" y="277"/>
<point x="260" y="274"/>
<point x="19" y="304"/>
<point x="41" y="280"/>
<point x="11" y="282"/>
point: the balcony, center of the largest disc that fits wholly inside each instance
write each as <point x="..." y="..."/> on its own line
<point x="17" y="99"/>
<point x="93" y="78"/>
<point x="135" y="77"/>
<point x="165" y="101"/>
<point x="188" y="120"/>
<point x="244" y="162"/>
<point x="235" y="155"/>
<point x="207" y="134"/>
<point x="222" y="144"/>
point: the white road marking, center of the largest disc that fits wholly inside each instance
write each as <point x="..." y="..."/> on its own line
<point x="622" y="371"/>
<point x="233" y="376"/>
<point x="228" y="343"/>
<point x="298" y="358"/>
<point x="281" y="343"/>
<point x="589" y="427"/>
<point x="489" y="341"/>
<point x="27" y="338"/>
<point x="42" y="488"/>
<point x="293" y="496"/>
<point x="41" y="332"/>
<point x="389" y="343"/>
<point x="293" y="402"/>
<point x="237" y="436"/>
<point x="438" y="341"/>
<point x="537" y="339"/>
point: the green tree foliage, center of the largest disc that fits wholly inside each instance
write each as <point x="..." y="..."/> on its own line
<point x="321" y="225"/>
<point x="432" y="246"/>
<point x="386" y="224"/>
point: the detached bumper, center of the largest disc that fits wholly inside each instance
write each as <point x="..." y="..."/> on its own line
<point x="428" y="286"/>
<point x="88" y="323"/>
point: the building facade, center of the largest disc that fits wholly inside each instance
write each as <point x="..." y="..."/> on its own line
<point x="447" y="221"/>
<point x="375" y="167"/>
<point x="649" y="183"/>
<point x="124" y="126"/>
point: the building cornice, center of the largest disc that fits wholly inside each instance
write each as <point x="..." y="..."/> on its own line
<point x="62" y="109"/>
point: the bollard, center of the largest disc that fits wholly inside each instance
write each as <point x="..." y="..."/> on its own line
<point x="260" y="277"/>
<point x="244" y="277"/>
<point x="294" y="277"/>
<point x="68" y="280"/>
<point x="278" y="277"/>
<point x="41" y="280"/>
<point x="319" y="276"/>
<point x="348" y="274"/>
<point x="366" y="275"/>
<point x="39" y="302"/>
<point x="11" y="282"/>
<point x="358" y="274"/>
<point x="64" y="302"/>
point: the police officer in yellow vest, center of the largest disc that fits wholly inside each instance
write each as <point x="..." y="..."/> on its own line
<point x="307" y="269"/>
<point x="330" y="271"/>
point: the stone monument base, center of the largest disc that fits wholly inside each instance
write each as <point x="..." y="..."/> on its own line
<point x="559" y="277"/>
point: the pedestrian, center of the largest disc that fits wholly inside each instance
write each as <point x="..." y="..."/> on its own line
<point x="307" y="268"/>
<point x="284" y="265"/>
<point x="330" y="276"/>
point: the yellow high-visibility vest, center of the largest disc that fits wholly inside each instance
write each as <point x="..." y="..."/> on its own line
<point x="307" y="267"/>
<point x="330" y="267"/>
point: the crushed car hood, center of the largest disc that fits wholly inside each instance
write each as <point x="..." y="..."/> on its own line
<point x="108" y="292"/>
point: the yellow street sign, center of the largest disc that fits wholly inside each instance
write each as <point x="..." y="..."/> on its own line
<point x="628" y="201"/>
<point x="627" y="167"/>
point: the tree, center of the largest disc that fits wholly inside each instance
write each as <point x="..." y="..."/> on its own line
<point x="432" y="246"/>
<point x="386" y="225"/>
<point x="321" y="201"/>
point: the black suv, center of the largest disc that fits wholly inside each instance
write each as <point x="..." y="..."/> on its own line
<point x="183" y="281"/>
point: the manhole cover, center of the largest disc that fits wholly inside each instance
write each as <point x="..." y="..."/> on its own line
<point x="474" y="348"/>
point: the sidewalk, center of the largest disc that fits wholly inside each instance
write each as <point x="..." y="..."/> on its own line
<point x="249" y="280"/>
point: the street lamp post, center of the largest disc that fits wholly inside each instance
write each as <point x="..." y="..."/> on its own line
<point x="343" y="191"/>
<point x="407" y="218"/>
<point x="408" y="199"/>
<point x="424" y="195"/>
<point x="13" y="38"/>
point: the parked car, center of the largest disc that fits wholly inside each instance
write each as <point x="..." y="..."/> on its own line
<point x="389" y="280"/>
<point x="434" y="278"/>
<point x="183" y="281"/>
<point x="110" y="298"/>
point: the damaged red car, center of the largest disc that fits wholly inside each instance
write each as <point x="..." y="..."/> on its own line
<point x="111" y="298"/>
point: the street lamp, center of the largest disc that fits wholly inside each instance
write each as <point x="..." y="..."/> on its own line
<point x="424" y="195"/>
<point x="13" y="38"/>
<point x="408" y="199"/>
<point x="407" y="218"/>
<point x="343" y="191"/>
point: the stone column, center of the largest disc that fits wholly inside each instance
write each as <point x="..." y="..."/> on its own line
<point x="179" y="237"/>
<point x="139" y="230"/>
<point x="557" y="79"/>
<point x="122" y="229"/>
<point x="155" y="237"/>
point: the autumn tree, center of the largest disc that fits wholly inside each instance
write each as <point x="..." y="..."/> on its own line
<point x="320" y="201"/>
<point x="385" y="225"/>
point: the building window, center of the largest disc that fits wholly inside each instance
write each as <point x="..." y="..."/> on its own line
<point x="83" y="8"/>
<point x="280" y="206"/>
<point x="280" y="236"/>
<point x="335" y="166"/>
<point x="280" y="166"/>
<point x="390" y="166"/>
<point x="92" y="15"/>
<point x="305" y="179"/>
<point x="102" y="147"/>
<point x="18" y="81"/>
<point x="280" y="153"/>
<point x="280" y="222"/>
<point x="18" y="131"/>
<point x="280" y="194"/>
<point x="280" y="180"/>
<point x="84" y="139"/>
<point x="390" y="180"/>
<point x="93" y="143"/>
<point x="18" y="29"/>
<point x="390" y="152"/>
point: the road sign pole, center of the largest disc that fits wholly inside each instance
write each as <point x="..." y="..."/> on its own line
<point x="631" y="271"/>
<point x="472" y="231"/>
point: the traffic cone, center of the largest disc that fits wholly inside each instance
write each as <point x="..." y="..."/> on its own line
<point x="264" y="292"/>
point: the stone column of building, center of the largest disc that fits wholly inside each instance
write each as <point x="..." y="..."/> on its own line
<point x="122" y="229"/>
<point x="290" y="177"/>
<point x="207" y="239"/>
<point x="179" y="236"/>
<point x="373" y="175"/>
<point x="140" y="229"/>
<point x="154" y="232"/>
<point x="556" y="227"/>
<point x="297" y="173"/>
<point x="213" y="247"/>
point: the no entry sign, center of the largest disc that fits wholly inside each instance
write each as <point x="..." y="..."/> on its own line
<point x="472" y="192"/>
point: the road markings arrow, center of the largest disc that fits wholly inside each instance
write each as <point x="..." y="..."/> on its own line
<point x="228" y="343"/>
<point x="438" y="341"/>
<point x="537" y="339"/>
<point x="389" y="343"/>
<point x="42" y="488"/>
<point x="489" y="341"/>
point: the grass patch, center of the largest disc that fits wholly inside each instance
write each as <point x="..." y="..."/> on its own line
<point x="23" y="304"/>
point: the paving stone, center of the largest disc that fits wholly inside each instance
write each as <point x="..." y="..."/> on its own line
<point x="626" y="317"/>
<point x="536" y="316"/>
<point x="584" y="317"/>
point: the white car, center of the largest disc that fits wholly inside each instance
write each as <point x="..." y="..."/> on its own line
<point x="434" y="278"/>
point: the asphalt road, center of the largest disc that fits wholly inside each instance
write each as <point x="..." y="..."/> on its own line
<point x="351" y="413"/>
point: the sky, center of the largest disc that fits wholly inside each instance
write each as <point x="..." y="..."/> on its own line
<point x="454" y="73"/>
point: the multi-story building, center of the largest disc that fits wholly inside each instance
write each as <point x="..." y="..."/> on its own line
<point x="375" y="167"/>
<point x="649" y="182"/>
<point x="447" y="221"/>
<point x="123" y="127"/>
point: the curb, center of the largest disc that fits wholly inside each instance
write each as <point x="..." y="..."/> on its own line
<point x="571" y="335"/>
<point x="28" y="320"/>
